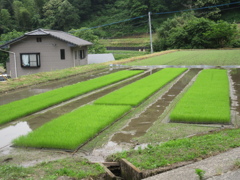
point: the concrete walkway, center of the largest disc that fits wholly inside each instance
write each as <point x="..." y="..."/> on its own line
<point x="218" y="167"/>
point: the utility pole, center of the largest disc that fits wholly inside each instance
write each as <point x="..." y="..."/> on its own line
<point x="150" y="31"/>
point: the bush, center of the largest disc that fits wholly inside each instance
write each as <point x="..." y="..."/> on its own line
<point x="190" y="32"/>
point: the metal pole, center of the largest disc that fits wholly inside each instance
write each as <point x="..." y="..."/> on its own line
<point x="150" y="30"/>
<point x="15" y="61"/>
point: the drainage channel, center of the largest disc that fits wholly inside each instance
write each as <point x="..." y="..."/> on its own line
<point x="235" y="96"/>
<point x="24" y="125"/>
<point x="139" y="125"/>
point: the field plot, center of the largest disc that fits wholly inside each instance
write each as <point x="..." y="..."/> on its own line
<point x="137" y="92"/>
<point x="72" y="129"/>
<point x="195" y="57"/>
<point x="207" y="101"/>
<point x="38" y="102"/>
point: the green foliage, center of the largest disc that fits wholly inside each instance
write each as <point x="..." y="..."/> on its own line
<point x="207" y="101"/>
<point x="73" y="129"/>
<point x="89" y="36"/>
<point x="20" y="108"/>
<point x="200" y="173"/>
<point x="24" y="15"/>
<point x="221" y="34"/>
<point x="76" y="168"/>
<point x="13" y="172"/>
<point x="189" y="32"/>
<point x="60" y="14"/>
<point x="180" y="150"/>
<point x="135" y="93"/>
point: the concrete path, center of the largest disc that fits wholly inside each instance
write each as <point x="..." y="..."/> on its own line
<point x="218" y="167"/>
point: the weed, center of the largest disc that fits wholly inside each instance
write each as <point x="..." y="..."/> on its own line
<point x="200" y="173"/>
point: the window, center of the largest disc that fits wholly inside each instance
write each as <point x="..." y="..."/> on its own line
<point x="62" y="54"/>
<point x="81" y="54"/>
<point x="75" y="52"/>
<point x="30" y="59"/>
<point x="39" y="39"/>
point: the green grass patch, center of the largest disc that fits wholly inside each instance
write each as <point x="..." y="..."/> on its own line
<point x="42" y="77"/>
<point x="38" y="102"/>
<point x="76" y="168"/>
<point x="9" y="172"/>
<point x="180" y="150"/>
<point x="126" y="54"/>
<point x="72" y="129"/>
<point x="137" y="92"/>
<point x="207" y="101"/>
<point x="195" y="57"/>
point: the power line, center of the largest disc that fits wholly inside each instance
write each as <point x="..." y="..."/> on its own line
<point x="169" y="12"/>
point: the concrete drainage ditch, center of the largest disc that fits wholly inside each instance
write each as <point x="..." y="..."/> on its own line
<point x="125" y="170"/>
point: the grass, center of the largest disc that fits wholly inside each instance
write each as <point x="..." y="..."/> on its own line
<point x="38" y="102"/>
<point x="137" y="92"/>
<point x="126" y="54"/>
<point x="72" y="129"/>
<point x="195" y="57"/>
<point x="180" y="150"/>
<point x="207" y="101"/>
<point x="42" y="77"/>
<point x="72" y="167"/>
<point x="136" y="41"/>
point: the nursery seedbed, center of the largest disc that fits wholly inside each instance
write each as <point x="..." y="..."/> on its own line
<point x="38" y="102"/>
<point x="139" y="91"/>
<point x="22" y="93"/>
<point x="140" y="124"/>
<point x="207" y="101"/>
<point x="36" y="120"/>
<point x="72" y="129"/>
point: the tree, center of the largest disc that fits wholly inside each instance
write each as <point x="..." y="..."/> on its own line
<point x="5" y="21"/>
<point x="4" y="38"/>
<point x="221" y="34"/>
<point x="60" y="15"/>
<point x="88" y="35"/>
<point x="190" y="32"/>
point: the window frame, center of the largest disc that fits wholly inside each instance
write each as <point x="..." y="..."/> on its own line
<point x="62" y="54"/>
<point x="82" y="54"/>
<point x="37" y="61"/>
<point x="39" y="39"/>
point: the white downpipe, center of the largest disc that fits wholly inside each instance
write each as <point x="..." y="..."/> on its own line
<point x="15" y="61"/>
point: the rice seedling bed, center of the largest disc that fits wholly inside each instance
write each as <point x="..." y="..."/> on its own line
<point x="21" y="108"/>
<point x="72" y="129"/>
<point x="207" y="101"/>
<point x="137" y="92"/>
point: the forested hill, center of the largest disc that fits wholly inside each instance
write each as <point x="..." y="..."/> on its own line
<point x="26" y="15"/>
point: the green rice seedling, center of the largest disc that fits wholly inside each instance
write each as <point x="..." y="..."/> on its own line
<point x="207" y="101"/>
<point x="38" y="102"/>
<point x="137" y="92"/>
<point x="72" y="129"/>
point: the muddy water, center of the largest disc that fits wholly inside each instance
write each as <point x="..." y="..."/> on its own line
<point x="36" y="120"/>
<point x="235" y="76"/>
<point x="139" y="125"/>
<point x="37" y="89"/>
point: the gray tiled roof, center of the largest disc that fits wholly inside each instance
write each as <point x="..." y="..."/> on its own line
<point x="57" y="34"/>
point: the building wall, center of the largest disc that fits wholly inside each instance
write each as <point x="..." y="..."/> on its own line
<point x="50" y="59"/>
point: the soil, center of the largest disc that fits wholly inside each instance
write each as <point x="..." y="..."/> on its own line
<point x="139" y="125"/>
<point x="122" y="140"/>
